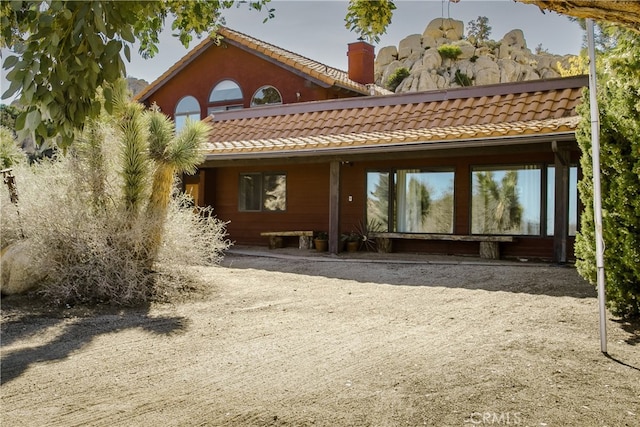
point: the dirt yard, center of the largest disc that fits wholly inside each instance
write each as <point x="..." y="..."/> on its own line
<point x="326" y="341"/>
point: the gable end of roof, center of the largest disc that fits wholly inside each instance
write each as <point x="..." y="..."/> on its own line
<point x="305" y="67"/>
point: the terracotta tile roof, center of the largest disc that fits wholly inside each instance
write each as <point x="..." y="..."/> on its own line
<point x="327" y="75"/>
<point x="542" y="107"/>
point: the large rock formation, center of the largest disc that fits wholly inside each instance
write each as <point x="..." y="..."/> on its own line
<point x="479" y="63"/>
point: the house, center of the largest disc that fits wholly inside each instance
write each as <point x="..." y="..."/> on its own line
<point x="498" y="160"/>
<point x="238" y="71"/>
<point x="437" y="172"/>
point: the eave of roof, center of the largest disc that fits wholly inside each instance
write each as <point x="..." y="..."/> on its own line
<point x="526" y="111"/>
<point x="445" y="138"/>
<point x="315" y="71"/>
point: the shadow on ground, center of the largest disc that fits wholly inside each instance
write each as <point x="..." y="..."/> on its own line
<point x="420" y="270"/>
<point x="76" y="328"/>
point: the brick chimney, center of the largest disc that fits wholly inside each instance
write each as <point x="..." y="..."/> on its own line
<point x="361" y="55"/>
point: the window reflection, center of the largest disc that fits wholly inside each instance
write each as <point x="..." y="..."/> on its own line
<point x="266" y="95"/>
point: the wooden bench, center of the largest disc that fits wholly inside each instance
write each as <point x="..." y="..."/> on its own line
<point x="305" y="240"/>
<point x="489" y="245"/>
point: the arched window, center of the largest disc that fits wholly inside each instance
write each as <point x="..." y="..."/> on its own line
<point x="187" y="109"/>
<point x="226" y="95"/>
<point x="226" y="90"/>
<point x="266" y="95"/>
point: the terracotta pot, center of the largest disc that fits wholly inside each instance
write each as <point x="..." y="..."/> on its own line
<point x="321" y="245"/>
<point x="352" y="246"/>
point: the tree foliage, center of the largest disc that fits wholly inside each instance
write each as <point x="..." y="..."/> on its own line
<point x="10" y="152"/>
<point x="619" y="113"/>
<point x="369" y="18"/>
<point x="63" y="51"/>
<point x="479" y="29"/>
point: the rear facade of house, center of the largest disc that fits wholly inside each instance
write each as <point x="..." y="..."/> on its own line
<point x="498" y="160"/>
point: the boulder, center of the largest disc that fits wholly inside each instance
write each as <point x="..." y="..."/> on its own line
<point x="514" y="39"/>
<point x="410" y="45"/>
<point x="386" y="56"/>
<point x="427" y="81"/>
<point x="22" y="271"/>
<point x="486" y="72"/>
<point x="465" y="67"/>
<point x="548" y="73"/>
<point x="428" y="42"/>
<point x="445" y="28"/>
<point x="485" y="51"/>
<point x="529" y="73"/>
<point x="545" y="61"/>
<point x="389" y="70"/>
<point x="509" y="70"/>
<point x="468" y="50"/>
<point x="432" y="59"/>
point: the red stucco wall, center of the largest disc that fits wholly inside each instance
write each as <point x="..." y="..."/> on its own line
<point x="249" y="71"/>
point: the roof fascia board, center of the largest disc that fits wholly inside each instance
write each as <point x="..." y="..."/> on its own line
<point x="501" y="89"/>
<point x="276" y="62"/>
<point x="442" y="144"/>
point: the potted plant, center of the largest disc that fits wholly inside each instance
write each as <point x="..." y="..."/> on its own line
<point x="321" y="241"/>
<point x="352" y="240"/>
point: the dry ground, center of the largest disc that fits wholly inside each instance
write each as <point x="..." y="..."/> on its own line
<point x="328" y="342"/>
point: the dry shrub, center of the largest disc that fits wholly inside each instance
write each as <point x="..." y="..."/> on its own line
<point x="91" y="253"/>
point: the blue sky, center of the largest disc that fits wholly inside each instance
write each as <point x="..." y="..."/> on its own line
<point x="316" y="29"/>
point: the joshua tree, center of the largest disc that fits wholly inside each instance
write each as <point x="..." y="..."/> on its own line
<point x="173" y="154"/>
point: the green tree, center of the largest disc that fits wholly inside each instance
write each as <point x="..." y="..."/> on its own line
<point x="65" y="50"/>
<point x="619" y="113"/>
<point x="479" y="29"/>
<point x="369" y="18"/>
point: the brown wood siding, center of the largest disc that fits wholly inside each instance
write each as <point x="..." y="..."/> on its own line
<point x="352" y="213"/>
<point x="308" y="201"/>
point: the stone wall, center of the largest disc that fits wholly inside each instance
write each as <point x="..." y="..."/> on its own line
<point x="486" y="62"/>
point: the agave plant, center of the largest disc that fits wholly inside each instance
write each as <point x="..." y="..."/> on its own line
<point x="365" y="228"/>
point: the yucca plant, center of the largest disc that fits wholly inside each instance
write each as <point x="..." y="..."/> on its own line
<point x="134" y="158"/>
<point x="173" y="154"/>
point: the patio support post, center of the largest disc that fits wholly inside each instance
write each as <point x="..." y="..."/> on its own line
<point x="561" y="210"/>
<point x="334" y="206"/>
